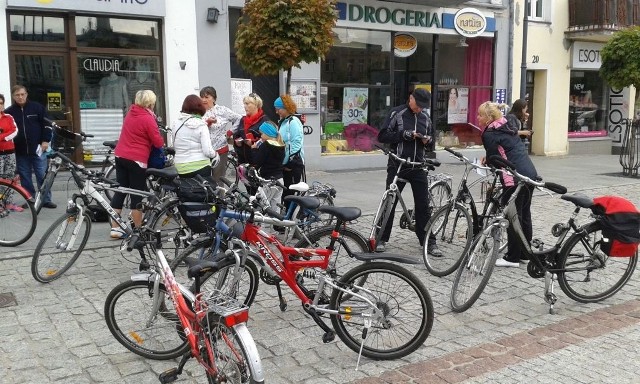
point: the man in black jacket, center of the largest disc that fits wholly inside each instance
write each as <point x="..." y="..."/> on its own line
<point x="31" y="142"/>
<point x="409" y="132"/>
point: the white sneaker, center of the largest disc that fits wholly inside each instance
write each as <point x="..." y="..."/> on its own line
<point x="505" y="263"/>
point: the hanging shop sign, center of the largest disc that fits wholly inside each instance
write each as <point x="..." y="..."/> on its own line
<point x="585" y="55"/>
<point x="404" y="45"/>
<point x="124" y="7"/>
<point x="469" y="22"/>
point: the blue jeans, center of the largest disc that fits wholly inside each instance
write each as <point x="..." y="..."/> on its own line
<point x="25" y="164"/>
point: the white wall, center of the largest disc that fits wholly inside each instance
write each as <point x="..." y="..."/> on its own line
<point x="4" y="59"/>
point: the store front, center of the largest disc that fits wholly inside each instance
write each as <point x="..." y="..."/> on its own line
<point x="85" y="66"/>
<point x="382" y="51"/>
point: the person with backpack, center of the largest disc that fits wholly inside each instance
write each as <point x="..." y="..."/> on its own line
<point x="292" y="133"/>
<point x="409" y="132"/>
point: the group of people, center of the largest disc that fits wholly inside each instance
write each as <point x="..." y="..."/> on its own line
<point x="409" y="131"/>
<point x="201" y="136"/>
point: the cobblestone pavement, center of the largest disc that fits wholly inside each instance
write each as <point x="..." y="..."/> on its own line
<point x="56" y="332"/>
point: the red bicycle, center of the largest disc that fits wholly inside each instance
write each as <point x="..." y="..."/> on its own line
<point x="18" y="215"/>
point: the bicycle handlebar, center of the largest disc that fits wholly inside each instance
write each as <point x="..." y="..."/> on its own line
<point x="466" y="160"/>
<point x="53" y="124"/>
<point x="504" y="163"/>
<point x="427" y="163"/>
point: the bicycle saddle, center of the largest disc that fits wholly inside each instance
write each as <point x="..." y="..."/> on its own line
<point x="198" y="267"/>
<point x="300" y="187"/>
<point x="308" y="202"/>
<point x="579" y="200"/>
<point x="342" y="213"/>
<point x="164" y="173"/>
<point x="110" y="144"/>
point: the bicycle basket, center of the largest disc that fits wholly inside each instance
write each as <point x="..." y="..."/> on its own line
<point x="199" y="217"/>
<point x="620" y="221"/>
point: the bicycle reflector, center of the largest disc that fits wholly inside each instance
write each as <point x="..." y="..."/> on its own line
<point x="236" y="318"/>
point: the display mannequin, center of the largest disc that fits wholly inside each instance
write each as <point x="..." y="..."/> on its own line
<point x="113" y="92"/>
<point x="141" y="81"/>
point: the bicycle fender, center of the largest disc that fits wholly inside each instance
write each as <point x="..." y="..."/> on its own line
<point x="253" y="355"/>
<point x="371" y="256"/>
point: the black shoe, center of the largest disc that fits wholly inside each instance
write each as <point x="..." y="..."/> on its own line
<point x="433" y="250"/>
<point x="25" y="206"/>
<point x="49" y="204"/>
<point x="380" y="247"/>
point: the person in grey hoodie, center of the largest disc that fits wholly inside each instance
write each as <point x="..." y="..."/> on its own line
<point x="194" y="152"/>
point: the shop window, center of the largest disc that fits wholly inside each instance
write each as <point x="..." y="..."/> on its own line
<point x="587" y="103"/>
<point x="109" y="32"/>
<point x="36" y="28"/>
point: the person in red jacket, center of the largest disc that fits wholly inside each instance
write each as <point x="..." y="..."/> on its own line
<point x="8" y="130"/>
<point x="139" y="134"/>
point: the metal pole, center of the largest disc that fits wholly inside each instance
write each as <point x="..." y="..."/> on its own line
<point x="523" y="66"/>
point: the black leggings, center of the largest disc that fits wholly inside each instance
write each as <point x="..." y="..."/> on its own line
<point x="129" y="174"/>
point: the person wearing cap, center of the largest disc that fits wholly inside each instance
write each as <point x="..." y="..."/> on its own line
<point x="292" y="134"/>
<point x="408" y="131"/>
<point x="268" y="156"/>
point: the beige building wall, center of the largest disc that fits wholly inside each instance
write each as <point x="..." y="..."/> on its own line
<point x="549" y="56"/>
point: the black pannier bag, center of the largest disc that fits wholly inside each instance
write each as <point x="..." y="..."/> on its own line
<point x="199" y="217"/>
<point x="620" y="222"/>
<point x="192" y="190"/>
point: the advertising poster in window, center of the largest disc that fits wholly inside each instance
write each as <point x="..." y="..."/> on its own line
<point x="305" y="95"/>
<point x="457" y="106"/>
<point x="239" y="89"/>
<point x="355" y="106"/>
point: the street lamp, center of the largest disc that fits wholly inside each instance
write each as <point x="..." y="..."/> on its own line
<point x="523" y="66"/>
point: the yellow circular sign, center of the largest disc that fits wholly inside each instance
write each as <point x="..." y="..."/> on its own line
<point x="404" y="45"/>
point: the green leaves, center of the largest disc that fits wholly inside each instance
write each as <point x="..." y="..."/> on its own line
<point x="621" y="59"/>
<point x="279" y="35"/>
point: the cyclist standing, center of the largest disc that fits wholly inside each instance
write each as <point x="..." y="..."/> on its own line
<point x="409" y="132"/>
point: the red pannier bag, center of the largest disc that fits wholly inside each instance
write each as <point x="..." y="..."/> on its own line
<point x="620" y="222"/>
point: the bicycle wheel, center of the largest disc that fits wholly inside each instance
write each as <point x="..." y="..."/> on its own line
<point x="311" y="220"/>
<point x="111" y="175"/>
<point x="590" y="275"/>
<point x="453" y="230"/>
<point x="382" y="217"/>
<point x="401" y="300"/>
<point x="151" y="333"/>
<point x="474" y="272"/>
<point x="235" y="355"/>
<point x="174" y="231"/>
<point x="17" y="216"/>
<point x="59" y="247"/>
<point x="244" y="290"/>
<point x="42" y="191"/>
<point x="349" y="242"/>
<point x="439" y="194"/>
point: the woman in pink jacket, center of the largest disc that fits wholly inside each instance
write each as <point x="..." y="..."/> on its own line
<point x="139" y="134"/>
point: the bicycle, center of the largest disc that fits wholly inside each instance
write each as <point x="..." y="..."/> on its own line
<point x="18" y="217"/>
<point x="361" y="302"/>
<point x="577" y="258"/>
<point x="392" y="194"/>
<point x="155" y="317"/>
<point x="55" y="163"/>
<point x="59" y="248"/>
<point x="456" y="223"/>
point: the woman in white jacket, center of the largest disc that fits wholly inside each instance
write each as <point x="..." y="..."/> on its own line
<point x="191" y="141"/>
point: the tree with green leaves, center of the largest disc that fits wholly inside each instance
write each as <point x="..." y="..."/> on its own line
<point x="276" y="35"/>
<point x="621" y="59"/>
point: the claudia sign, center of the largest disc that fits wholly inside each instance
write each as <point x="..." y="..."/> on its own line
<point x="126" y="7"/>
<point x="469" y="22"/>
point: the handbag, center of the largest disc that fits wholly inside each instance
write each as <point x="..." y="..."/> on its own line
<point x="157" y="158"/>
<point x="295" y="160"/>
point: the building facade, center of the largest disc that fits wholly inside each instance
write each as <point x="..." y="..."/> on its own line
<point x="85" y="59"/>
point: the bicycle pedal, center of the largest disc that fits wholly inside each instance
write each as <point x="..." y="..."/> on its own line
<point x="328" y="337"/>
<point x="169" y="376"/>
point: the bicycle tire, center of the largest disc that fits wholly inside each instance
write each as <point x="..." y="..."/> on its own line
<point x="157" y="337"/>
<point x="173" y="229"/>
<point x="408" y="311"/>
<point x="452" y="227"/>
<point x="18" y="217"/>
<point x="235" y="355"/>
<point x="439" y="194"/>
<point x="111" y="175"/>
<point x="49" y="261"/>
<point x="349" y="242"/>
<point x="382" y="217"/>
<point x="479" y="261"/>
<point x="586" y="272"/>
<point x="246" y="288"/>
<point x="42" y="191"/>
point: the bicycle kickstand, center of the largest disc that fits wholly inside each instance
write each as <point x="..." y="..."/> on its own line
<point x="283" y="302"/>
<point x="549" y="297"/>
<point x="367" y="324"/>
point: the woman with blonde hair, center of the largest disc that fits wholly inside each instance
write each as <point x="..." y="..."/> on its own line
<point x="248" y="130"/>
<point x="499" y="139"/>
<point x="139" y="134"/>
<point x="292" y="134"/>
